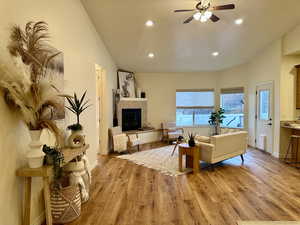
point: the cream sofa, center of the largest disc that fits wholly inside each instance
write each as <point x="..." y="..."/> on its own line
<point x="224" y="146"/>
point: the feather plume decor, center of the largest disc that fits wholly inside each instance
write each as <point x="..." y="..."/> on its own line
<point x="28" y="88"/>
<point x="31" y="44"/>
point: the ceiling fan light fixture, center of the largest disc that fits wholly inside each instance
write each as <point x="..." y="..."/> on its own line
<point x="197" y="16"/>
<point x="208" y="14"/>
<point x="203" y="19"/>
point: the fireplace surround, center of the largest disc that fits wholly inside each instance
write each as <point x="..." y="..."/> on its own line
<point x="131" y="119"/>
<point x="134" y="113"/>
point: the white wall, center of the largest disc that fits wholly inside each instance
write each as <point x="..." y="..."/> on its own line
<point x="161" y="88"/>
<point x="291" y="43"/>
<point x="73" y="34"/>
<point x="265" y="66"/>
<point x="288" y="87"/>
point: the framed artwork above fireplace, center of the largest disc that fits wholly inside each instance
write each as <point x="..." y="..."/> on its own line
<point x="126" y="84"/>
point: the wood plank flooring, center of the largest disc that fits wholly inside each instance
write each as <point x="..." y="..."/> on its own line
<point x="262" y="188"/>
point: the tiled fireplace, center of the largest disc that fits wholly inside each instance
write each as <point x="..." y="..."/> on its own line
<point x="132" y="113"/>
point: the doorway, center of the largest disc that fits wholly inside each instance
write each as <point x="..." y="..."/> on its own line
<point x="102" y="125"/>
<point x="264" y="117"/>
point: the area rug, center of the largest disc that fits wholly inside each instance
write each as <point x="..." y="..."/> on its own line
<point x="159" y="159"/>
<point x="268" y="223"/>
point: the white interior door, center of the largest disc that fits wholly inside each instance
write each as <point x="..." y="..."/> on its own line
<point x="264" y="117"/>
<point x="102" y="109"/>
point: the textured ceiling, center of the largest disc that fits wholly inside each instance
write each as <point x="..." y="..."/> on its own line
<point x="178" y="47"/>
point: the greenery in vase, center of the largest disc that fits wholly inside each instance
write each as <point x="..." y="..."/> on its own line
<point x="55" y="158"/>
<point x="191" y="136"/>
<point x="75" y="127"/>
<point x="191" y="140"/>
<point x="77" y="106"/>
<point x="216" y="118"/>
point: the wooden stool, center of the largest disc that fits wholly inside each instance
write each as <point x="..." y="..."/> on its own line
<point x="293" y="159"/>
<point x="192" y="157"/>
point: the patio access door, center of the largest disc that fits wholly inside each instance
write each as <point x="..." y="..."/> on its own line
<point x="264" y="117"/>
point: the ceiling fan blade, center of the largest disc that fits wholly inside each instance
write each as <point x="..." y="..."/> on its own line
<point x="223" y="7"/>
<point x="184" y="10"/>
<point x="188" y="19"/>
<point x="214" y="18"/>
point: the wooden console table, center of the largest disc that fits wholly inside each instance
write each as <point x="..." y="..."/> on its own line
<point x="192" y="157"/>
<point x="46" y="172"/>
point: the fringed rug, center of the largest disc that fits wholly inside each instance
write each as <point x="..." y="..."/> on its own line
<point x="159" y="159"/>
<point x="268" y="223"/>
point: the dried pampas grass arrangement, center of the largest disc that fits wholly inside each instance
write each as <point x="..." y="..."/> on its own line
<point x="27" y="89"/>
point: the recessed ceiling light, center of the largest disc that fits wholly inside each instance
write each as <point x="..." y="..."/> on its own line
<point x="215" y="53"/>
<point x="149" y="23"/>
<point x="239" y="21"/>
<point x="151" y="55"/>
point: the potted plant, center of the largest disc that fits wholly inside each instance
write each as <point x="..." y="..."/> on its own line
<point x="77" y="106"/>
<point x="56" y="158"/>
<point x="191" y="140"/>
<point x="216" y="119"/>
<point x="28" y="88"/>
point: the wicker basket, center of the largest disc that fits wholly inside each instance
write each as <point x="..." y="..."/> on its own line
<point x="65" y="204"/>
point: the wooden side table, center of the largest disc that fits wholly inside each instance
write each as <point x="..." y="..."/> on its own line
<point x="46" y="172"/>
<point x="192" y="157"/>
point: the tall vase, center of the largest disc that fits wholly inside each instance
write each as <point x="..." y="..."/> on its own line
<point x="35" y="155"/>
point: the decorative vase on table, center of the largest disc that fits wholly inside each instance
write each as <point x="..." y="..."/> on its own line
<point x="191" y="141"/>
<point x="76" y="139"/>
<point x="35" y="155"/>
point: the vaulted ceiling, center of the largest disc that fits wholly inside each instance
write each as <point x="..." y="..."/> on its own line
<point x="178" y="47"/>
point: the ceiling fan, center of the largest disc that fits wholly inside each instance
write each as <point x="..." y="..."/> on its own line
<point x="204" y="10"/>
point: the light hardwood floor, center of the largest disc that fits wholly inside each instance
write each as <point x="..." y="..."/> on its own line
<point x="127" y="194"/>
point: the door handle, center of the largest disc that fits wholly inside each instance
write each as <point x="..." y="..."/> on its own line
<point x="269" y="124"/>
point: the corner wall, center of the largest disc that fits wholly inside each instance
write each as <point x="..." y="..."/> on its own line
<point x="73" y="33"/>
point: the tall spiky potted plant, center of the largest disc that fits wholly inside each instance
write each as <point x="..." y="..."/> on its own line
<point x="77" y="106"/>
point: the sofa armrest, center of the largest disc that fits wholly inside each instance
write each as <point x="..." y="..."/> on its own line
<point x="206" y="151"/>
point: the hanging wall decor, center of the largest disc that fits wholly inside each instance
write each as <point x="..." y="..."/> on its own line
<point x="126" y="84"/>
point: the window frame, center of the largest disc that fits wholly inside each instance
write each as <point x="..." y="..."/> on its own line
<point x="196" y="107"/>
<point x="234" y="90"/>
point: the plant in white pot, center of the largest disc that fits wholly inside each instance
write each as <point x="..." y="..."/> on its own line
<point x="31" y="92"/>
<point x="77" y="106"/>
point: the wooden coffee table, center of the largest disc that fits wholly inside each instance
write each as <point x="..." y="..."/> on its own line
<point x="192" y="157"/>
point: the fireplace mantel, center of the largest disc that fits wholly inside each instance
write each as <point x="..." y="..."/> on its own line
<point x="132" y="103"/>
<point x="133" y="99"/>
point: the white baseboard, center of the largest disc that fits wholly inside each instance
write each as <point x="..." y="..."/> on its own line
<point x="276" y="154"/>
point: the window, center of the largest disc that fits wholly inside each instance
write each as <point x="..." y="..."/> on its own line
<point x="232" y="101"/>
<point x="264" y="97"/>
<point x="193" y="108"/>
